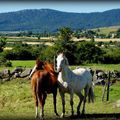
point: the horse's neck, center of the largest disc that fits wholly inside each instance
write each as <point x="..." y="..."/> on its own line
<point x="66" y="73"/>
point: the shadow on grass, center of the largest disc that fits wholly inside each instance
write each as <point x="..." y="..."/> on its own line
<point x="114" y="116"/>
<point x="102" y="115"/>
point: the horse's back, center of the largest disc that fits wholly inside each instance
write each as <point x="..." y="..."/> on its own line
<point x="44" y="81"/>
<point x="83" y="72"/>
<point x="82" y="77"/>
<point x="79" y="71"/>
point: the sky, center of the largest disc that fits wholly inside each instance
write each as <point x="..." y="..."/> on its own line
<point x="66" y="6"/>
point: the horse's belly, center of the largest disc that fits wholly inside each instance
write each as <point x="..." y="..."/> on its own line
<point x="78" y="85"/>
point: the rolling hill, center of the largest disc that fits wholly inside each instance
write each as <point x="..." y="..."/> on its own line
<point x="50" y="20"/>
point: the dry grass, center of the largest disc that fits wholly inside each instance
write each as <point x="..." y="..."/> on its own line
<point x="99" y="39"/>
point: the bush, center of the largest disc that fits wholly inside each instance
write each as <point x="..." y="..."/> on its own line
<point x="112" y="56"/>
<point x="4" y="62"/>
<point x="87" y="52"/>
<point x="8" y="64"/>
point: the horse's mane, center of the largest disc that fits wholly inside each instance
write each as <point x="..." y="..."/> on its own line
<point x="49" y="67"/>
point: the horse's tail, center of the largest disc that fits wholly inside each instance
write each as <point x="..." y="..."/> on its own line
<point x="35" y="90"/>
<point x="91" y="95"/>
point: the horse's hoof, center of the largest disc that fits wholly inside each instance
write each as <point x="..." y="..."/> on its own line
<point x="71" y="116"/>
<point x="78" y="113"/>
<point x="83" y="112"/>
<point x="62" y="115"/>
<point x="41" y="118"/>
<point x="36" y="116"/>
<point x="72" y="113"/>
<point x="57" y="114"/>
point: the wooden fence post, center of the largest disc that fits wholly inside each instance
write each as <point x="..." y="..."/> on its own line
<point x="104" y="91"/>
<point x="108" y="86"/>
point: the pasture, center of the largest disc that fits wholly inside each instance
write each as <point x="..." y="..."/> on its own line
<point x="16" y="101"/>
<point x="107" y="30"/>
<point x="11" y="41"/>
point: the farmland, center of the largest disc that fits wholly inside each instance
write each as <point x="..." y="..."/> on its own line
<point x="34" y="40"/>
<point x="16" y="100"/>
<point x="107" y="30"/>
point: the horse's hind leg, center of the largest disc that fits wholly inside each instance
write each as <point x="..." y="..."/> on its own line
<point x="42" y="98"/>
<point x="36" y="100"/>
<point x="84" y="100"/>
<point x="54" y="102"/>
<point x="71" y="103"/>
<point x="81" y="97"/>
<point x="36" y="114"/>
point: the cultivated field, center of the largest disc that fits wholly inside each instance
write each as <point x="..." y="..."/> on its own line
<point x="107" y="30"/>
<point x="99" y="39"/>
<point x="11" y="41"/>
<point x="16" y="101"/>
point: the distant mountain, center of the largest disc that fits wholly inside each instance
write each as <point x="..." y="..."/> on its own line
<point x="50" y="20"/>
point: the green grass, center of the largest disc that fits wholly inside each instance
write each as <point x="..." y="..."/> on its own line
<point x="23" y="63"/>
<point x="27" y="63"/>
<point x="16" y="101"/>
<point x="105" y="67"/>
<point x="31" y="63"/>
<point x="107" y="30"/>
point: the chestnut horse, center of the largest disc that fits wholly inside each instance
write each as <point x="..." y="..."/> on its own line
<point x="44" y="82"/>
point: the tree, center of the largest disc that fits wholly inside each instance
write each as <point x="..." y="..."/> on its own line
<point x="117" y="33"/>
<point x="2" y="43"/>
<point x="65" y="34"/>
<point x="78" y="33"/>
<point x="65" y="44"/>
<point x="87" y="52"/>
<point x="90" y="34"/>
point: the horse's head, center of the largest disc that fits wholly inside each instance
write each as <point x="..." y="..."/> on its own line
<point x="61" y="62"/>
<point x="50" y="69"/>
<point x="39" y="64"/>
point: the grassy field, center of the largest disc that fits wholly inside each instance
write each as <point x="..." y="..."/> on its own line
<point x="105" y="67"/>
<point x="16" y="101"/>
<point x="107" y="30"/>
<point x="31" y="63"/>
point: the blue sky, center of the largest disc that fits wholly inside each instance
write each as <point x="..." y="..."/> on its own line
<point x="68" y="6"/>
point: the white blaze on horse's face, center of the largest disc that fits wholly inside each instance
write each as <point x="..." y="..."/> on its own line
<point x="59" y="61"/>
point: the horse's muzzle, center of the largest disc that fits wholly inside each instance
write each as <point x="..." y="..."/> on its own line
<point x="59" y="69"/>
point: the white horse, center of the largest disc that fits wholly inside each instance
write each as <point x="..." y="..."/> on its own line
<point x="74" y="82"/>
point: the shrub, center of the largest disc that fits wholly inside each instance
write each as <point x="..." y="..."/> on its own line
<point x="8" y="64"/>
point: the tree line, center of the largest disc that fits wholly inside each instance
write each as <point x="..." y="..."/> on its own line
<point x="76" y="52"/>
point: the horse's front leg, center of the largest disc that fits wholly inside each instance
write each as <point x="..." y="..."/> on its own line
<point x="71" y="103"/>
<point x="63" y="103"/>
<point x="54" y="102"/>
<point x="84" y="100"/>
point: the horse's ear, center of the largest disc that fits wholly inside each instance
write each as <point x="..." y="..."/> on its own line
<point x="38" y="61"/>
<point x="45" y="63"/>
<point x="66" y="61"/>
